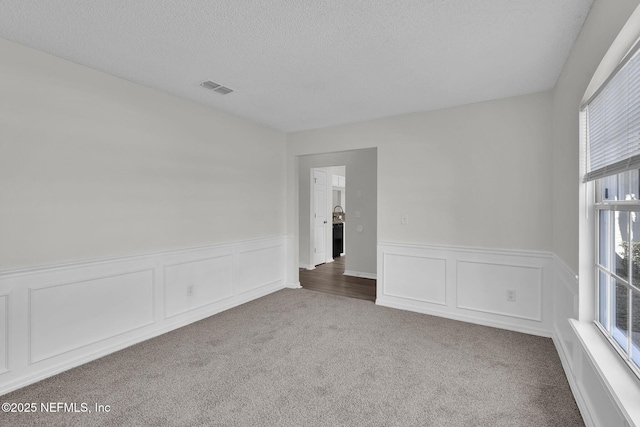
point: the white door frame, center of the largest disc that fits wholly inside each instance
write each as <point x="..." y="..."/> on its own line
<point x="313" y="220"/>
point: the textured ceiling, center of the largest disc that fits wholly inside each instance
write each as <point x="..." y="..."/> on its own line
<point x="306" y="64"/>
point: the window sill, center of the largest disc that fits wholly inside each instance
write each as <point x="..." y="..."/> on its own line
<point x="622" y="384"/>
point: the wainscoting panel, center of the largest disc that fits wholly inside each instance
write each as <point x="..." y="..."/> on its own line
<point x="605" y="390"/>
<point x="193" y="284"/>
<point x="602" y="409"/>
<point x="260" y="267"/>
<point x="108" y="306"/>
<point x="416" y="278"/>
<point x="468" y="284"/>
<point x="484" y="286"/>
<point x="56" y="317"/>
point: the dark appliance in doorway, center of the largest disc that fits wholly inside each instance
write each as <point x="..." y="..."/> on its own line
<point x="338" y="239"/>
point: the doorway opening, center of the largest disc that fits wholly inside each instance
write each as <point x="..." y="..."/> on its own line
<point x="338" y="223"/>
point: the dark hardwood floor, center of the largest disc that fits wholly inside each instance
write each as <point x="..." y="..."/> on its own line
<point x="329" y="278"/>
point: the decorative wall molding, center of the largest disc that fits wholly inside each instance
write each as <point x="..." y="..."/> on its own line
<point x="196" y="283"/>
<point x="469" y="284"/>
<point x="69" y="316"/>
<point x="573" y="384"/>
<point x="401" y="282"/>
<point x="260" y="265"/>
<point x="468" y="249"/>
<point x="482" y="286"/>
<point x="605" y="390"/>
<point x="57" y="317"/>
<point x="565" y="307"/>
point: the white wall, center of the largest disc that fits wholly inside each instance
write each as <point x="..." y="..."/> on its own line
<point x="477" y="175"/>
<point x="125" y="212"/>
<point x="94" y="166"/>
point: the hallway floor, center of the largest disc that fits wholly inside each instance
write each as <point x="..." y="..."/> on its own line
<point x="330" y="278"/>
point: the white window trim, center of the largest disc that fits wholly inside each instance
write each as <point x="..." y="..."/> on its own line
<point x="624" y="354"/>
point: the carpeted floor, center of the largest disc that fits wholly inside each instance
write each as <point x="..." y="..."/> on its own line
<point x="303" y="358"/>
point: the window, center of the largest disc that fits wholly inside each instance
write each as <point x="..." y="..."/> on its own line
<point x="618" y="263"/>
<point x="611" y="119"/>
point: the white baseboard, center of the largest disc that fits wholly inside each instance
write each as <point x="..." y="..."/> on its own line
<point x="360" y="274"/>
<point x="464" y="318"/>
<point x="45" y="327"/>
<point x="295" y="285"/>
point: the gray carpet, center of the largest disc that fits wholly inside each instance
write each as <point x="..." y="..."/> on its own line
<point x="303" y="358"/>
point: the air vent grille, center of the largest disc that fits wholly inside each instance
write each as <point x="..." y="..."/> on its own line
<point x="223" y="90"/>
<point x="208" y="84"/>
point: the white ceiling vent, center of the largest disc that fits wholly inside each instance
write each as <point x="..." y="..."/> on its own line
<point x="208" y="84"/>
<point x="223" y="90"/>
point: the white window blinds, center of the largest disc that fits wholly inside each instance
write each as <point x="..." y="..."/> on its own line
<point x="613" y="122"/>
